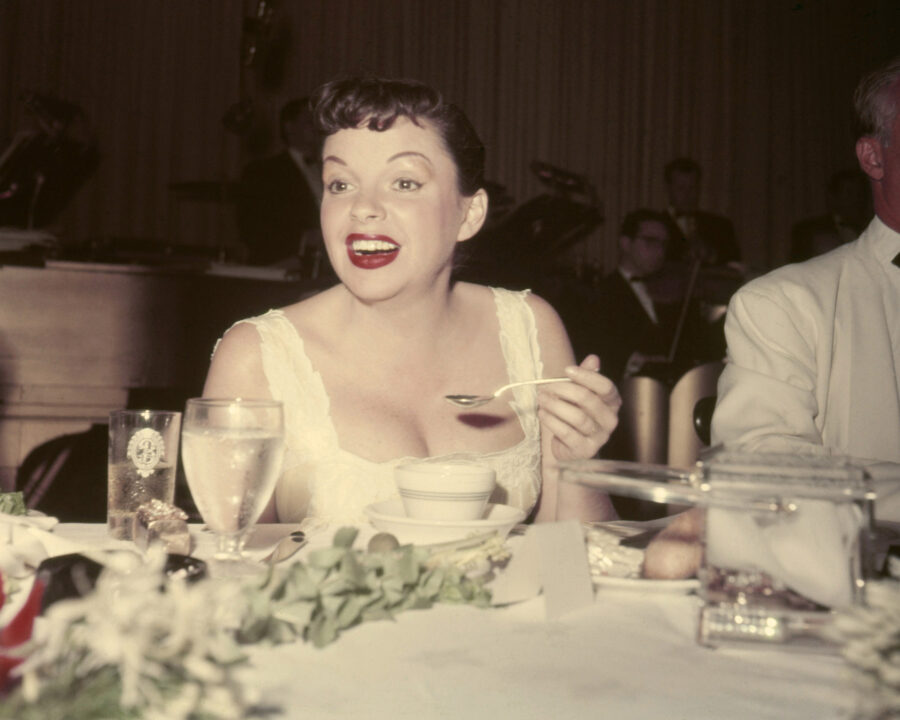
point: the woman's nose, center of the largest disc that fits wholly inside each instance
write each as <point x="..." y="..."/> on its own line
<point x="366" y="206"/>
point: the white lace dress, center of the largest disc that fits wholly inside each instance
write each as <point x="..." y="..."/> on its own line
<point x="323" y="482"/>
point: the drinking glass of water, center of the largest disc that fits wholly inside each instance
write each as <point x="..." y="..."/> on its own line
<point x="143" y="456"/>
<point x="232" y="452"/>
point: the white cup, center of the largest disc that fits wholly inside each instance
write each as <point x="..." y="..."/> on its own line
<point x="451" y="490"/>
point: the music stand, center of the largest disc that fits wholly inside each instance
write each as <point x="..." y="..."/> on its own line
<point x="39" y="175"/>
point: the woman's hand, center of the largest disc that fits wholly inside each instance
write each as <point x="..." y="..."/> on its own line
<point x="581" y="415"/>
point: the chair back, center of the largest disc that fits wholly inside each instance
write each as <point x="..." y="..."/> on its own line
<point x="644" y="419"/>
<point x="684" y="443"/>
<point x="703" y="412"/>
<point x="66" y="476"/>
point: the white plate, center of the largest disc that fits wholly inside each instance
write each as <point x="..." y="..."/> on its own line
<point x="645" y="585"/>
<point x="389" y="516"/>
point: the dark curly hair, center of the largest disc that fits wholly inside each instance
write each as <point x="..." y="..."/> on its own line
<point x="376" y="103"/>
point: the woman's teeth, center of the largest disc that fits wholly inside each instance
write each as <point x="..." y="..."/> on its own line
<point x="365" y="247"/>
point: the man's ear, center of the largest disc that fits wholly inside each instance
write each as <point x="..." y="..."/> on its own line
<point x="476" y="214"/>
<point x="869" y="153"/>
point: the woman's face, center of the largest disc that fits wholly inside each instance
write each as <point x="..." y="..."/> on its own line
<point x="391" y="209"/>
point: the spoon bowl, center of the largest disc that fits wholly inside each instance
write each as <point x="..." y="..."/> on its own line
<point x="286" y="547"/>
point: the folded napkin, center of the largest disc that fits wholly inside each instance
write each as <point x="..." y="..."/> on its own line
<point x="26" y="540"/>
<point x="551" y="559"/>
<point x="809" y="550"/>
<point x="32" y="520"/>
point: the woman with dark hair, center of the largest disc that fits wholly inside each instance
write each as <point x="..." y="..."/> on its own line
<point x="363" y="367"/>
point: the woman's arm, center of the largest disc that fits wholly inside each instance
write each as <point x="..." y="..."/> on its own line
<point x="577" y="418"/>
<point x="236" y="371"/>
<point x="236" y="367"/>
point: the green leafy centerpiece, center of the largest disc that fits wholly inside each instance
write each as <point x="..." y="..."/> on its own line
<point x="142" y="647"/>
<point x="13" y="503"/>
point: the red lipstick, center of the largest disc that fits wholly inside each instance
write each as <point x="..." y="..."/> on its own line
<point x="370" y="252"/>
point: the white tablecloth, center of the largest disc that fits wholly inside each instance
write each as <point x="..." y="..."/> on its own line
<point x="629" y="655"/>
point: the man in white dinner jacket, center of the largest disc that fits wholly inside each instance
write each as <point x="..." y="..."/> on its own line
<point x="814" y="348"/>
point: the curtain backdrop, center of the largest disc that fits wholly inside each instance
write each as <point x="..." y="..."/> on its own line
<point x="757" y="91"/>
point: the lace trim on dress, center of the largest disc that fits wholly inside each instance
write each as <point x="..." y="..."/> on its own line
<point x="521" y="350"/>
<point x="322" y="480"/>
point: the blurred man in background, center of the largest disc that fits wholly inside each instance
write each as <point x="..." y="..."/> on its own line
<point x="704" y="236"/>
<point x="278" y="208"/>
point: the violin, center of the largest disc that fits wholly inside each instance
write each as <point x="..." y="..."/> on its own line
<point x="680" y="281"/>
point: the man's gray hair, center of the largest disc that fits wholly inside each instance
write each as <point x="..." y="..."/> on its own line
<point x="875" y="107"/>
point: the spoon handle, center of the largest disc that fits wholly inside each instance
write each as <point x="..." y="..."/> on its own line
<point x="542" y="381"/>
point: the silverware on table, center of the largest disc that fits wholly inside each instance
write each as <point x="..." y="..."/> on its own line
<point x="472" y="401"/>
<point x="641" y="540"/>
<point x="286" y="547"/>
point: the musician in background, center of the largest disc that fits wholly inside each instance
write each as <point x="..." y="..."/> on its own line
<point x="278" y="209"/>
<point x="701" y="235"/>
<point x="638" y="309"/>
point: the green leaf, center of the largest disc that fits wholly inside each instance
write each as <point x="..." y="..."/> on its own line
<point x="281" y="632"/>
<point x="96" y="696"/>
<point x="323" y="630"/>
<point x="345" y="537"/>
<point x="393" y="590"/>
<point x="377" y="612"/>
<point x="336" y="585"/>
<point x="302" y="583"/>
<point x="331" y="604"/>
<point x="253" y="629"/>
<point x="351" y="611"/>
<point x="407" y="565"/>
<point x="13" y="503"/>
<point x="297" y="614"/>
<point x="353" y="571"/>
<point x="431" y="583"/>
<point x="326" y="558"/>
<point x="415" y="601"/>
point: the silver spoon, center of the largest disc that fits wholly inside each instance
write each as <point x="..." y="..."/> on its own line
<point x="472" y="401"/>
<point x="286" y="547"/>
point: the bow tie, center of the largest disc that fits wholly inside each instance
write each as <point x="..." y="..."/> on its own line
<point x="896" y="260"/>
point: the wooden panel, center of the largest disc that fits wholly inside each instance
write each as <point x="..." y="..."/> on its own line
<point x="78" y="340"/>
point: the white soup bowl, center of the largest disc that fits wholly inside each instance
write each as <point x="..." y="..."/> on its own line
<point x="444" y="490"/>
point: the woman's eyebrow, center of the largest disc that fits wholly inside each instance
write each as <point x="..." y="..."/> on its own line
<point x="333" y="158"/>
<point x="410" y="153"/>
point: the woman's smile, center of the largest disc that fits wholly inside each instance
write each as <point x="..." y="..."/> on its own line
<point x="370" y="252"/>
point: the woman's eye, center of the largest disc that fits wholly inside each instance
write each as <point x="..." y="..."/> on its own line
<point x="337" y="186"/>
<point x="406" y="184"/>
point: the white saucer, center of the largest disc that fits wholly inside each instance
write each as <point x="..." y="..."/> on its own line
<point x="389" y="516"/>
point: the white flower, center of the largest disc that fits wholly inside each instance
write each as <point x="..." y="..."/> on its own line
<point x="156" y="634"/>
<point x="870" y="636"/>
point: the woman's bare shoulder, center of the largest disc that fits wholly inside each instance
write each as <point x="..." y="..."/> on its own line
<point x="241" y="338"/>
<point x="544" y="312"/>
<point x="549" y="325"/>
<point x="552" y="333"/>
<point x="236" y="367"/>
